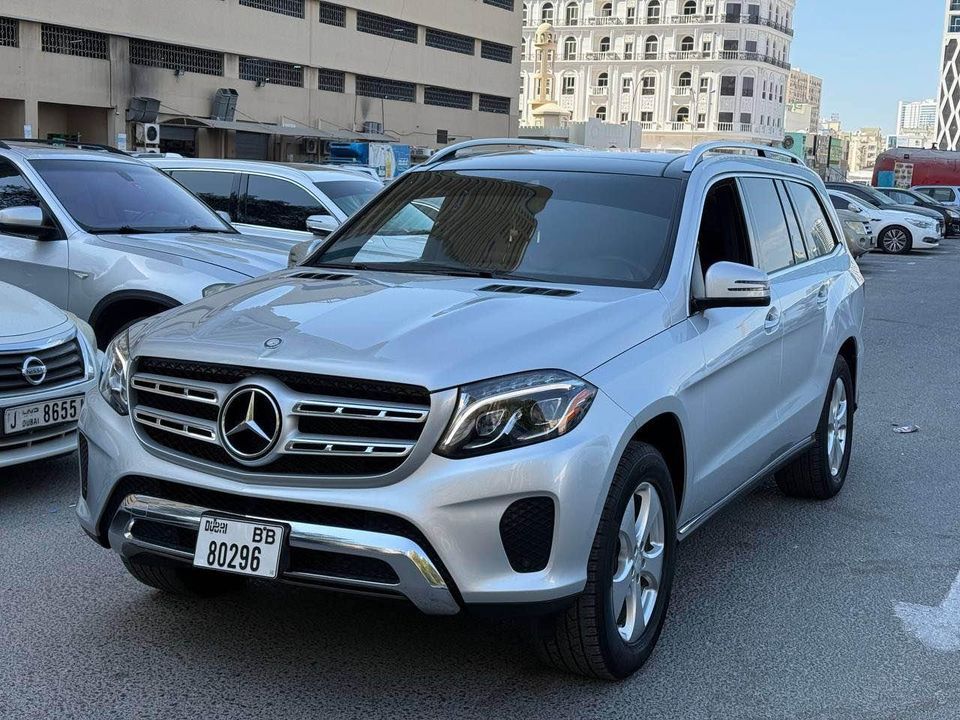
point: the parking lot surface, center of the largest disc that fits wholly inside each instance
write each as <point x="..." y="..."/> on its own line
<point x="781" y="608"/>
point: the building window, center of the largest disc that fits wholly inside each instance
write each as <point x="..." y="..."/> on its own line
<point x="653" y="12"/>
<point x="624" y="118"/>
<point x="631" y="15"/>
<point x="701" y="121"/>
<point x="606" y="10"/>
<point x="746" y="88"/>
<point x="496" y="51"/>
<point x="604" y="44"/>
<point x="628" y="50"/>
<point x="954" y="23"/>
<point x="546" y="13"/>
<point x="646" y="116"/>
<point x="9" y="32"/>
<point x="690" y="7"/>
<point x="686" y="44"/>
<point x="651" y="48"/>
<point x="648" y="85"/>
<point x="331" y="14"/>
<point x="568" y="85"/>
<point x="627" y="84"/>
<point x="293" y="8"/>
<point x="452" y="42"/>
<point x="750" y="46"/>
<point x="745" y="118"/>
<point x="603" y="80"/>
<point x="954" y="5"/>
<point x="704" y="84"/>
<point x="495" y="104"/>
<point x="570" y="49"/>
<point x="386" y="27"/>
<point x="601" y="113"/>
<point x="386" y="89"/>
<point x="525" y="14"/>
<point x="175" y="57"/>
<point x="685" y="80"/>
<point x="502" y="4"/>
<point x="707" y="47"/>
<point x="728" y="85"/>
<point x="683" y="114"/>
<point x="331" y="80"/>
<point x="271" y="71"/>
<point x="445" y="97"/>
<point x="572" y="14"/>
<point x="72" y="41"/>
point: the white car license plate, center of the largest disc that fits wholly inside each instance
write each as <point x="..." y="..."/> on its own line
<point x="238" y="546"/>
<point x="41" y="414"/>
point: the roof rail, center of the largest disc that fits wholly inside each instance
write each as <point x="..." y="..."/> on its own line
<point x="62" y="143"/>
<point x="449" y="153"/>
<point x="698" y="153"/>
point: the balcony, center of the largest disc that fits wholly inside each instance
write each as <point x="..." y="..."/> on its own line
<point x="688" y="55"/>
<point x="680" y="127"/>
<point x="757" y="20"/>
<point x="724" y="127"/>
<point x="688" y="19"/>
<point x="681" y="91"/>
<point x="600" y="90"/>
<point x="609" y="55"/>
<point x="648" y="125"/>
<point x="606" y="20"/>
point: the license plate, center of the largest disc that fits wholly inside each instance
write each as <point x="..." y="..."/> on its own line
<point x="41" y="414"/>
<point x="238" y="546"/>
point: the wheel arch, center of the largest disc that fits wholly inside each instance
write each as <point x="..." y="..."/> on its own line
<point x="116" y="308"/>
<point x="664" y="431"/>
<point x="850" y="353"/>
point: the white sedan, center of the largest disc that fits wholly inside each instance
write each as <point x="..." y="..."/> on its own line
<point x="48" y="361"/>
<point x="896" y="231"/>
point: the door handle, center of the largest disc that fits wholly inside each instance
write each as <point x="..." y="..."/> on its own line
<point x="81" y="275"/>
<point x="772" y="321"/>
<point x="823" y="294"/>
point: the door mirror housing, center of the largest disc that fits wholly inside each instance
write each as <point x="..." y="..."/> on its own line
<point x="853" y="208"/>
<point x="301" y="251"/>
<point x="322" y="225"/>
<point x="224" y="215"/>
<point x="24" y="219"/>
<point x="729" y="284"/>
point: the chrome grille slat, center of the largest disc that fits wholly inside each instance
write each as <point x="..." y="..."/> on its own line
<point x="171" y="387"/>
<point x="64" y="362"/>
<point x="339" y="408"/>
<point x="177" y="424"/>
<point x="347" y="447"/>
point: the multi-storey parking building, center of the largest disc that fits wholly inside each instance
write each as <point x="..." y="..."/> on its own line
<point x="408" y="69"/>
<point x="686" y="70"/>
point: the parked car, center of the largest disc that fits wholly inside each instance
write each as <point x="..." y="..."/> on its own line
<point x="291" y="201"/>
<point x="47" y="364"/>
<point x="912" y="198"/>
<point x="857" y="232"/>
<point x="897" y="232"/>
<point x="113" y="239"/>
<point x="497" y="414"/>
<point x="948" y="195"/>
<point x="868" y="194"/>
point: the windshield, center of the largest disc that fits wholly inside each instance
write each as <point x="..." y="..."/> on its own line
<point x="591" y="228"/>
<point x="877" y="197"/>
<point x="112" y="197"/>
<point x="349" y="195"/>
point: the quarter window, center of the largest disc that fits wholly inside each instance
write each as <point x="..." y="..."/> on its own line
<point x="214" y="188"/>
<point x="15" y="191"/>
<point x="272" y="202"/>
<point x="771" y="239"/>
<point x="814" y="225"/>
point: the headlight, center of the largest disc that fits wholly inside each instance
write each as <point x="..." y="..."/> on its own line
<point x="953" y="214"/>
<point x="215" y="288"/>
<point x="89" y="335"/>
<point x="114" y="371"/>
<point x="925" y="224"/>
<point x="855" y="227"/>
<point x="516" y="410"/>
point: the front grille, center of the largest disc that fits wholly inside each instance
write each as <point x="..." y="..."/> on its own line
<point x="342" y="427"/>
<point x="21" y="440"/>
<point x="526" y="530"/>
<point x="276" y="510"/>
<point x="64" y="364"/>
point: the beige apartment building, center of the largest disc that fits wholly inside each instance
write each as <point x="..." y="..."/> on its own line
<point x="807" y="90"/>
<point x="301" y="72"/>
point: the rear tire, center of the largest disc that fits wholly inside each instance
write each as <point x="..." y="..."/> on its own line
<point x="819" y="473"/>
<point x="592" y="637"/>
<point x="895" y="240"/>
<point x="187" y="581"/>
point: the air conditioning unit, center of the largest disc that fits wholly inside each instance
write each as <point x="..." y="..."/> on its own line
<point x="148" y="135"/>
<point x="311" y="146"/>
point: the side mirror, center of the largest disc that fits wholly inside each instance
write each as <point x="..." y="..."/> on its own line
<point x="224" y="215"/>
<point x="322" y="225"/>
<point x="301" y="251"/>
<point x="729" y="284"/>
<point x="853" y="208"/>
<point x="27" y="219"/>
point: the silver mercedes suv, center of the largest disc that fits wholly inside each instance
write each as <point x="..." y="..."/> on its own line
<point x="521" y="405"/>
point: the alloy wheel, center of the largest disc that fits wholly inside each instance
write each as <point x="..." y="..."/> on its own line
<point x="895" y="240"/>
<point x="837" y="427"/>
<point x="639" y="562"/>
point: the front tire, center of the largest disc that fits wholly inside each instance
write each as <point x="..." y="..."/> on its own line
<point x="819" y="473"/>
<point x="187" y="581"/>
<point x="896" y="240"/>
<point x="611" y="629"/>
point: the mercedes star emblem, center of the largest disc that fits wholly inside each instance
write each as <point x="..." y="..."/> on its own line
<point x="33" y="370"/>
<point x="250" y="423"/>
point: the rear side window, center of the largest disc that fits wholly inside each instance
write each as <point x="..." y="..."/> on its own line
<point x="15" y="191"/>
<point x="940" y="194"/>
<point x="770" y="236"/>
<point x="214" y="188"/>
<point x="839" y="203"/>
<point x="276" y="203"/>
<point x="814" y="226"/>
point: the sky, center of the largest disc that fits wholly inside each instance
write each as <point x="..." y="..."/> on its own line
<point x="870" y="54"/>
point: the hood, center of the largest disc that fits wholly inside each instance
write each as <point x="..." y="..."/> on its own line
<point x="250" y="255"/>
<point x="903" y="214"/>
<point x="916" y="210"/>
<point x="25" y="314"/>
<point x="433" y="331"/>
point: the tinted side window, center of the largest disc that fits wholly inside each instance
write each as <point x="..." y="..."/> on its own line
<point x="796" y="236"/>
<point x="814" y="225"/>
<point x="839" y="203"/>
<point x="770" y="236"/>
<point x="723" y="230"/>
<point x="214" y="188"/>
<point x="941" y="194"/>
<point x="272" y="202"/>
<point x="903" y="198"/>
<point x="15" y="191"/>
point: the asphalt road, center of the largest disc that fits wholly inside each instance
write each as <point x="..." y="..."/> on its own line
<point x="781" y="608"/>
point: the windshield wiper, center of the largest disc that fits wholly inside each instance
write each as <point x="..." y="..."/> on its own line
<point x="428" y="269"/>
<point x="199" y="228"/>
<point x="125" y="230"/>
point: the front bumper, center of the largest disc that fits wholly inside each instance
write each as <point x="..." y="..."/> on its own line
<point x="455" y="551"/>
<point x="924" y="240"/>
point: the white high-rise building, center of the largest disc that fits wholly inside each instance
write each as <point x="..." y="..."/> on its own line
<point x="686" y="70"/>
<point x="948" y="98"/>
<point x="916" y="115"/>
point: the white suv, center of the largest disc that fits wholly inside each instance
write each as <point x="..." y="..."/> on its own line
<point x="522" y="402"/>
